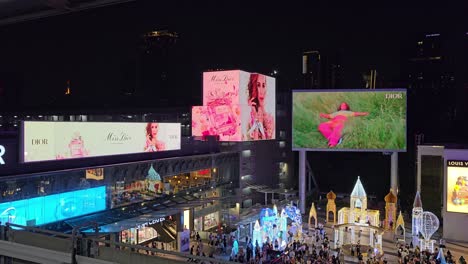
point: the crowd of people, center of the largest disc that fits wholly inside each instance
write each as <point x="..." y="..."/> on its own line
<point x="312" y="249"/>
<point x="407" y="254"/>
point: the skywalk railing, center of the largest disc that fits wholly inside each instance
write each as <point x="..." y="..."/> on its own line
<point x="79" y="246"/>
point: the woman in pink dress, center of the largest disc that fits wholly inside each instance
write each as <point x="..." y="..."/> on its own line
<point x="332" y="130"/>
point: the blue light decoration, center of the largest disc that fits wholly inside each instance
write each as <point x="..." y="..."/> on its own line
<point x="51" y="208"/>
<point x="273" y="226"/>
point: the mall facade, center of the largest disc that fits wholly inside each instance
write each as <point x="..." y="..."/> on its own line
<point x="143" y="198"/>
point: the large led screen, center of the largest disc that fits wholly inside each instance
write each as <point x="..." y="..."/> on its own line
<point x="457" y="186"/>
<point x="237" y="106"/>
<point x="67" y="140"/>
<point x="223" y="121"/>
<point x="259" y="96"/>
<point x="349" y="120"/>
<point x="47" y="209"/>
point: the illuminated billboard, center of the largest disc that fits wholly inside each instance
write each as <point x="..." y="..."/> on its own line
<point x="349" y="120"/>
<point x="95" y="174"/>
<point x="457" y="186"/>
<point x="68" y="140"/>
<point x="47" y="209"/>
<point x="237" y="106"/>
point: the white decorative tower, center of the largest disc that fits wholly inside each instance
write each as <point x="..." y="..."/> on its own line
<point x="358" y="204"/>
<point x="417" y="216"/>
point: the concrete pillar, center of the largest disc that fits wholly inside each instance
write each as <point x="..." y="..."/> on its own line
<point x="266" y="198"/>
<point x="302" y="180"/>
<point x="394" y="172"/>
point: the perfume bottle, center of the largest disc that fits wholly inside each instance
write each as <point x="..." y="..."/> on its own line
<point x="224" y="119"/>
<point x="76" y="146"/>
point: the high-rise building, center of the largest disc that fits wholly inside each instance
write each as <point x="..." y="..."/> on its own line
<point x="156" y="61"/>
<point x="311" y="69"/>
<point x="436" y="79"/>
<point x="322" y="71"/>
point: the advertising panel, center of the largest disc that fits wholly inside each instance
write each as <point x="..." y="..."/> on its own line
<point x="68" y="140"/>
<point x="349" y="120"/>
<point x="457" y="186"/>
<point x="221" y="87"/>
<point x="222" y="120"/>
<point x="258" y="119"/>
<point x="95" y="174"/>
<point x="51" y="208"/>
<point x="237" y="106"/>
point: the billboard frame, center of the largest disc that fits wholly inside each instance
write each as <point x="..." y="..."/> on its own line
<point x="350" y="90"/>
<point x="21" y="143"/>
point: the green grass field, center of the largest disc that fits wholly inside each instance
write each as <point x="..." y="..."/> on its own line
<point x="384" y="128"/>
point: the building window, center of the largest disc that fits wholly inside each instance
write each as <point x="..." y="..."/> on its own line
<point x="282" y="134"/>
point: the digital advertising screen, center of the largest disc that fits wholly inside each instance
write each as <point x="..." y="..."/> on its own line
<point x="223" y="121"/>
<point x="95" y="174"/>
<point x="51" y="208"/>
<point x="349" y="120"/>
<point x="457" y="186"/>
<point x="223" y="87"/>
<point x="259" y="118"/>
<point x="43" y="141"/>
<point x="237" y="106"/>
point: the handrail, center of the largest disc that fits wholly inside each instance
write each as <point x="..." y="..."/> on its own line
<point x="110" y="243"/>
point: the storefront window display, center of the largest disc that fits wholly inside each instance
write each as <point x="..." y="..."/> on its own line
<point x="141" y="190"/>
<point x="144" y="234"/>
<point x="211" y="220"/>
<point x="198" y="224"/>
<point x="184" y="181"/>
<point x="129" y="236"/>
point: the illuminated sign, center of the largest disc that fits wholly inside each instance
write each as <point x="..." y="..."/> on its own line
<point x="349" y="120"/>
<point x="95" y="174"/>
<point x="237" y="106"/>
<point x="152" y="222"/>
<point x="2" y="152"/>
<point x="47" y="209"/>
<point x="457" y="186"/>
<point x="68" y="140"/>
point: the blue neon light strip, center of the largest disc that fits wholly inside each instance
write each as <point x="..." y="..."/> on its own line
<point x="51" y="208"/>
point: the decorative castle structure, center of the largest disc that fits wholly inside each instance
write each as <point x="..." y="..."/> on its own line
<point x="358" y="212"/>
<point x="153" y="181"/>
<point x="331" y="206"/>
<point x="273" y="226"/>
<point x="357" y="224"/>
<point x="400" y="226"/>
<point x="390" y="210"/>
<point x="313" y="214"/>
<point x="416" y="218"/>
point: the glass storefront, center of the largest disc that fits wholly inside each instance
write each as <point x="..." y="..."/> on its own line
<point x="210" y="221"/>
<point x="198" y="224"/>
<point x="185" y="181"/>
<point x="138" y="235"/>
<point x="125" y="189"/>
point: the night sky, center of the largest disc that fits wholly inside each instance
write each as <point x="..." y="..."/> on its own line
<point x="92" y="48"/>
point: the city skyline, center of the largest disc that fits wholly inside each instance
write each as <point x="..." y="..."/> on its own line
<point x="91" y="47"/>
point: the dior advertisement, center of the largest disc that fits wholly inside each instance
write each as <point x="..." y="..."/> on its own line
<point x="237" y="106"/>
<point x="43" y="141"/>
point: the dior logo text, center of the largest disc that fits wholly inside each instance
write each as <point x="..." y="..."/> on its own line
<point x="38" y="141"/>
